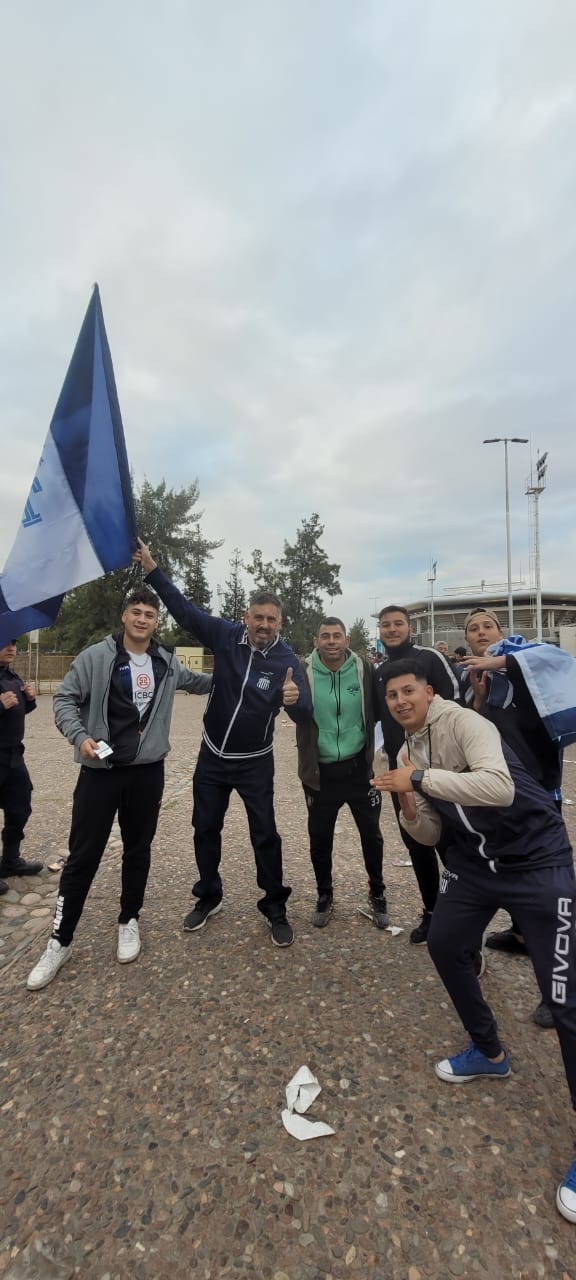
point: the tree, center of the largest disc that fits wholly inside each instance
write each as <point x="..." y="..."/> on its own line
<point x="300" y="578"/>
<point x="167" y="520"/>
<point x="233" y="601"/>
<point x="196" y="586"/>
<point x="359" y="638"/>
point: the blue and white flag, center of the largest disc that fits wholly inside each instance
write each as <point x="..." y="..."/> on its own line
<point x="550" y="676"/>
<point x="79" y="521"/>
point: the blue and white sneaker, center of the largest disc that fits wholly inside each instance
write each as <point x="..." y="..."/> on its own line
<point x="566" y="1195"/>
<point x="471" y="1065"/>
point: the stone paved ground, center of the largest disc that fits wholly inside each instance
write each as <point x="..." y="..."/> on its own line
<point x="140" y="1107"/>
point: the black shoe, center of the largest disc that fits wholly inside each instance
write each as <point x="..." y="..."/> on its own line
<point x="420" y="933"/>
<point x="507" y="940"/>
<point x="379" y="911"/>
<point x="204" y="908"/>
<point x="324" y="909"/>
<point x="542" y="1016"/>
<point x="19" y="867"/>
<point x="282" y="932"/>
<point x="3" y="887"/>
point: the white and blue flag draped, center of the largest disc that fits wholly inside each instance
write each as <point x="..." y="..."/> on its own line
<point x="79" y="521"/>
<point x="550" y="676"/>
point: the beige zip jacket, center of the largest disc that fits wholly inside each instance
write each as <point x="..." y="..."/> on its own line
<point x="461" y="755"/>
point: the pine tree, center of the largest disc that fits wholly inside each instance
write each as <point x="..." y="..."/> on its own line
<point x="233" y="600"/>
<point x="300" y="578"/>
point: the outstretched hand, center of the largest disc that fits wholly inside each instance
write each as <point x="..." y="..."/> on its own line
<point x="144" y="557"/>
<point x="398" y="780"/>
<point x="290" y="690"/>
<point x="488" y="663"/>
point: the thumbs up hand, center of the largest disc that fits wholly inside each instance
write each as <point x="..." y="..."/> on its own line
<point x="290" y="690"/>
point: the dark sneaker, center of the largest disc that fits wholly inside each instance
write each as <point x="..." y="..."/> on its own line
<point x="282" y="932"/>
<point x="379" y="912"/>
<point x="324" y="909"/>
<point x="204" y="908"/>
<point x="566" y="1195"/>
<point x="508" y="941"/>
<point x="3" y="887"/>
<point x="471" y="1065"/>
<point x="420" y="933"/>
<point x="542" y="1016"/>
<point x="19" y="867"/>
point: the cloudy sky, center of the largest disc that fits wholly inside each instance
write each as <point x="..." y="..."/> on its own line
<point x="335" y="243"/>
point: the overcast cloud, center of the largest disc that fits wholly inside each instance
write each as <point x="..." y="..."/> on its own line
<point x="335" y="245"/>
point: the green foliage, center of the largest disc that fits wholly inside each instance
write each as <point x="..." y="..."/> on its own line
<point x="301" y="578"/>
<point x="359" y="638"/>
<point x="168" y="522"/>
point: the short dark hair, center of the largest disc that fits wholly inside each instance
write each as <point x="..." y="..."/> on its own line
<point x="332" y="621"/>
<point x="264" y="597"/>
<point x="460" y="652"/>
<point x="143" y="595"/>
<point x="403" y="667"/>
<point x="394" y="608"/>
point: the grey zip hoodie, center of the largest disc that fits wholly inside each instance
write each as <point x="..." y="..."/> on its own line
<point x="81" y="702"/>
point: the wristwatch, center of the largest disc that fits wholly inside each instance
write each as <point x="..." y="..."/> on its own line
<point x="416" y="779"/>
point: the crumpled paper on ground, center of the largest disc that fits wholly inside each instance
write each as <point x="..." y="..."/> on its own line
<point x="301" y="1091"/>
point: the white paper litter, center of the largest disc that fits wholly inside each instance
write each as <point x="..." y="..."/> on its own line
<point x="301" y="1092"/>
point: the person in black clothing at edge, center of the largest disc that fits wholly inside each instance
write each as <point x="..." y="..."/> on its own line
<point x="396" y="636"/>
<point x="520" y="725"/>
<point x="255" y="674"/>
<point x="335" y="764"/>
<point x="17" y="699"/>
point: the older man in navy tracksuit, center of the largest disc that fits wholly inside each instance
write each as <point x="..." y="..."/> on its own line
<point x="255" y="674"/>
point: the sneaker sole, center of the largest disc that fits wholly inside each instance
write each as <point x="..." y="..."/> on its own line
<point x="480" y="1075"/>
<point x="128" y="959"/>
<point x="569" y="1214"/>
<point x="39" y="986"/>
<point x="273" y="939"/>
<point x="193" y="928"/>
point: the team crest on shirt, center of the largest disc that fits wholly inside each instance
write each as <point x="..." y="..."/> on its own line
<point x="263" y="682"/>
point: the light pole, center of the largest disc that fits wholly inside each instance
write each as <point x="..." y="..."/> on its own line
<point x="535" y="490"/>
<point x="432" y="579"/>
<point x="506" y="440"/>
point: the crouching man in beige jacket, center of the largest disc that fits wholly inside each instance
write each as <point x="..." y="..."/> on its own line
<point x="505" y="845"/>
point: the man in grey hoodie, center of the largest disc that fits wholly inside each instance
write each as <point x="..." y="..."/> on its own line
<point x="115" y="706"/>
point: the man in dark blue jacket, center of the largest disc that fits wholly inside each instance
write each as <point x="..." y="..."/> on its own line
<point x="505" y="846"/>
<point x="255" y="674"/>
<point x="17" y="698"/>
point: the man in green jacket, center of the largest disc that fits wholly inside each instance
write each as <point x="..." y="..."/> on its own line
<point x="335" y="759"/>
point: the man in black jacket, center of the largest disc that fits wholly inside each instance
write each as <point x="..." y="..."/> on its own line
<point x="495" y="687"/>
<point x="17" y="698"/>
<point x="255" y="674"/>
<point x="396" y="636"/>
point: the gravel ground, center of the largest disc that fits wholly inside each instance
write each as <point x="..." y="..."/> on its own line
<point x="141" y="1130"/>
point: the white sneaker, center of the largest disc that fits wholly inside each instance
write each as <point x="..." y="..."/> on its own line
<point x="48" y="965"/>
<point x="129" y="944"/>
